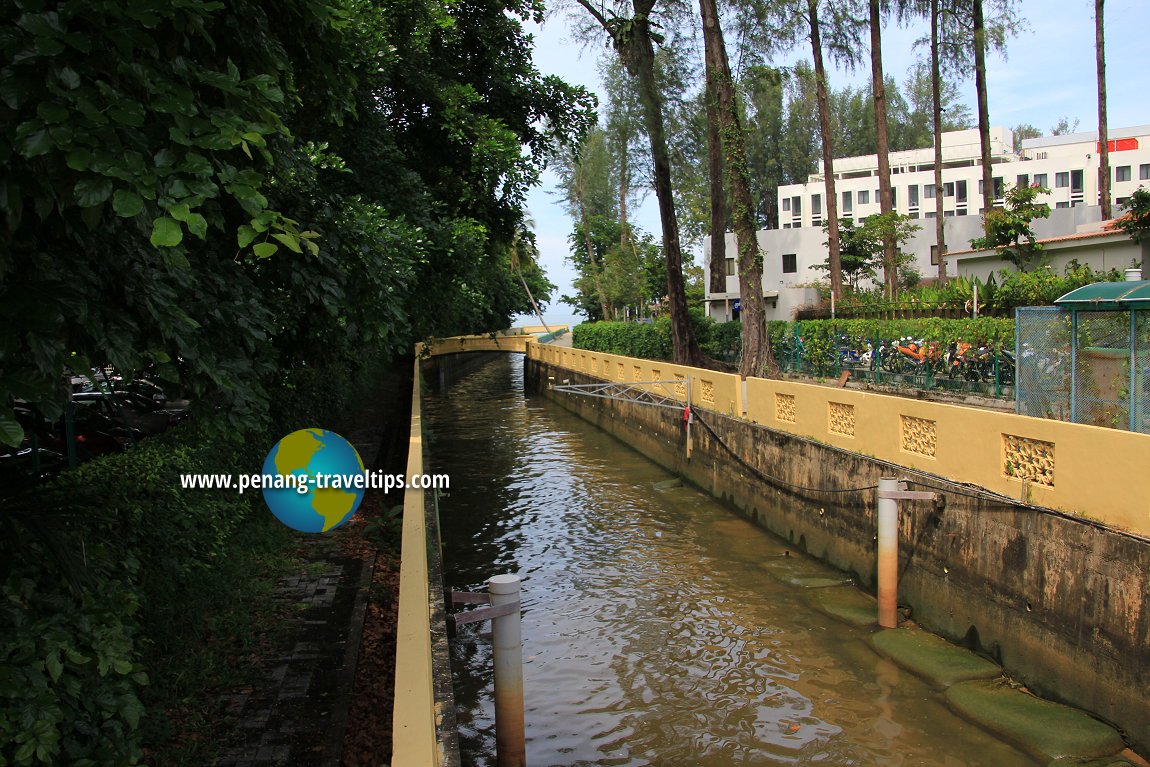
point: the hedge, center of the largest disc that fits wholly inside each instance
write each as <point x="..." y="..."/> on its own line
<point x="723" y="340"/>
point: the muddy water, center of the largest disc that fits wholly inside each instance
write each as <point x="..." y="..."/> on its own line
<point x="656" y="630"/>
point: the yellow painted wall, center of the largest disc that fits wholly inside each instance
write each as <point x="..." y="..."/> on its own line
<point x="1086" y="470"/>
<point x="709" y="389"/>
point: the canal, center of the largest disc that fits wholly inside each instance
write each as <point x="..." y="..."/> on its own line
<point x="659" y="627"/>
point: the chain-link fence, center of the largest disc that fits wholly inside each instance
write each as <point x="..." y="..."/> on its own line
<point x="1090" y="367"/>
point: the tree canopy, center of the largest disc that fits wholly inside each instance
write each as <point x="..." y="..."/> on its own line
<point x="216" y="192"/>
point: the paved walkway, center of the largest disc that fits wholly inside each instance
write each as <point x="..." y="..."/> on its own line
<point x="297" y="714"/>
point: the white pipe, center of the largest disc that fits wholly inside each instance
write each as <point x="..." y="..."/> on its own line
<point x="507" y="657"/>
<point x="887" y="555"/>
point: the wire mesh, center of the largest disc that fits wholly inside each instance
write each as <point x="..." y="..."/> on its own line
<point x="1044" y="362"/>
<point x="1102" y="379"/>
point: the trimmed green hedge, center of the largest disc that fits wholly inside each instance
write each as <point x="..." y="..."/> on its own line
<point x="723" y="341"/>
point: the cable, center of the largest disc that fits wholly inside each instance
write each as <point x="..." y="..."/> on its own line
<point x="769" y="479"/>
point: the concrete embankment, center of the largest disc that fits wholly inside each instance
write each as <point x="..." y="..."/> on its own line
<point x="1060" y="602"/>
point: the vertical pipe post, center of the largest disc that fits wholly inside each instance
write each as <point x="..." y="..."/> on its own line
<point x="507" y="657"/>
<point x="887" y="555"/>
<point x="690" y="417"/>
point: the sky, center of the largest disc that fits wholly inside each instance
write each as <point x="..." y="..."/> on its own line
<point x="1049" y="73"/>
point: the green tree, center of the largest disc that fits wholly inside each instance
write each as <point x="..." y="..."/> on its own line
<point x="1008" y="229"/>
<point x="1023" y="131"/>
<point x="634" y="39"/>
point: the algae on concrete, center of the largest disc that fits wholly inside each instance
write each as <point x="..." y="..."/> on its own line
<point x="933" y="658"/>
<point x="1041" y="726"/>
<point x="845" y="603"/>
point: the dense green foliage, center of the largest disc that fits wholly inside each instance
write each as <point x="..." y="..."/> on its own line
<point x="220" y="192"/>
<point x="112" y="575"/>
<point x="997" y="294"/>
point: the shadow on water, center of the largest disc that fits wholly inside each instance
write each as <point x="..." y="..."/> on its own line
<point x="654" y="630"/>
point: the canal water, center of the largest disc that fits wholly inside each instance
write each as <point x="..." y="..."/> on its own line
<point x="654" y="630"/>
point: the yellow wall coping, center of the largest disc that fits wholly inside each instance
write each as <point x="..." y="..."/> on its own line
<point x="414" y="737"/>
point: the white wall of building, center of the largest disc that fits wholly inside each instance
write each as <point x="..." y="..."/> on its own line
<point x="1067" y="165"/>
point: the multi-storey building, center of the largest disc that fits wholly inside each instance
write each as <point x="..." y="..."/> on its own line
<point x="1066" y="165"/>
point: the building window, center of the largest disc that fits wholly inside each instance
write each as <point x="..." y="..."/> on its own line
<point x="928" y="191"/>
<point x="949" y="214"/>
<point x="816" y="204"/>
<point x="934" y="255"/>
<point x="796" y="206"/>
<point x="960" y="189"/>
<point x="1023" y="180"/>
<point x="1062" y="205"/>
<point x="730" y="267"/>
<point x="1041" y="180"/>
<point x="864" y="197"/>
<point x="786" y="226"/>
<point x="786" y="204"/>
<point x="1143" y="171"/>
<point x="1121" y="201"/>
<point x="1122" y="173"/>
<point x="1061" y="180"/>
<point x="790" y="263"/>
<point x="948" y="189"/>
<point x="999" y="187"/>
<point x="914" y="214"/>
<point x="912" y="195"/>
<point x="894" y="197"/>
<point x="932" y="214"/>
<point x="847" y="202"/>
<point x="1076" y="182"/>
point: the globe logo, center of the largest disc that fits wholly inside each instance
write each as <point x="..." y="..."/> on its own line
<point x="313" y="480"/>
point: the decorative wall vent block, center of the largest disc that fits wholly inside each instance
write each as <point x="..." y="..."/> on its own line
<point x="841" y="418"/>
<point x="622" y="374"/>
<point x="919" y="435"/>
<point x="680" y="386"/>
<point x="708" y="393"/>
<point x="637" y="374"/>
<point x="785" y="407"/>
<point x="1031" y="460"/>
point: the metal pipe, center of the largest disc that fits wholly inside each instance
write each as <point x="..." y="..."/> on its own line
<point x="507" y="657"/>
<point x="887" y="554"/>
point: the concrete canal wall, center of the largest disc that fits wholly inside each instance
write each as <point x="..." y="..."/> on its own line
<point x="1059" y="597"/>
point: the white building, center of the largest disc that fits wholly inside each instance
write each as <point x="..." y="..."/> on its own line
<point x="1067" y="165"/>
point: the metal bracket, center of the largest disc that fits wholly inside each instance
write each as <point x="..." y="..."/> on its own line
<point x="479" y="613"/>
<point x="902" y="494"/>
<point x="627" y="393"/>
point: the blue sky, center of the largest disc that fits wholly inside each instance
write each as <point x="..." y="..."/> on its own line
<point x="1049" y="73"/>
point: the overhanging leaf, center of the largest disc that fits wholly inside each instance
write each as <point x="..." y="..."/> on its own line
<point x="127" y="203"/>
<point x="265" y="249"/>
<point x="166" y="232"/>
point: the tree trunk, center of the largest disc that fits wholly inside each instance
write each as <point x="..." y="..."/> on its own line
<point x="882" y="140"/>
<point x="756" y="351"/>
<point x="718" y="259"/>
<point x="833" y="249"/>
<point x="1103" y="131"/>
<point x="639" y="55"/>
<point x="983" y="111"/>
<point x="936" y="77"/>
